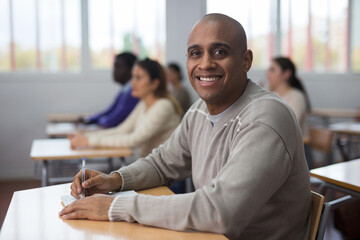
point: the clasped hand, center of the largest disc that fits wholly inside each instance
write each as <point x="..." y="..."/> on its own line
<point x="96" y="204"/>
<point x="78" y="140"/>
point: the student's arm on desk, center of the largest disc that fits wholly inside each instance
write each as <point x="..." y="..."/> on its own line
<point x="123" y="107"/>
<point x="95" y="206"/>
<point x="215" y="208"/>
<point x="82" y="139"/>
<point x="100" y="183"/>
<point x="156" y="117"/>
<point x="127" y="126"/>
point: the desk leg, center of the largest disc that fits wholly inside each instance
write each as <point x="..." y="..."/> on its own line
<point x="44" y="176"/>
<point x="111" y="166"/>
<point x="325" y="121"/>
<point x="122" y="162"/>
<point x="343" y="153"/>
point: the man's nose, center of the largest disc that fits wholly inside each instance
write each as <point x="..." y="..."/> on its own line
<point x="206" y="62"/>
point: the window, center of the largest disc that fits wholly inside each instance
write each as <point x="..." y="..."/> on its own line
<point x="40" y="35"/>
<point x="355" y="36"/>
<point x="137" y="26"/>
<point x="319" y="35"/>
<point x="258" y="31"/>
<point x="46" y="35"/>
<point x="315" y="34"/>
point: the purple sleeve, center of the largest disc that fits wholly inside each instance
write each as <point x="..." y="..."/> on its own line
<point x="95" y="118"/>
<point x="124" y="105"/>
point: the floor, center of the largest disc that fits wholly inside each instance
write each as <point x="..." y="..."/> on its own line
<point x="7" y="188"/>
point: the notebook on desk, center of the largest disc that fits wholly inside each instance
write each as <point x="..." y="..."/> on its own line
<point x="68" y="199"/>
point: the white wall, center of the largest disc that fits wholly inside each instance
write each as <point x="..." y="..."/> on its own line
<point x="26" y="99"/>
<point x="180" y="18"/>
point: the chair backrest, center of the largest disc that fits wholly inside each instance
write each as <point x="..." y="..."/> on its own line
<point x="321" y="139"/>
<point x="358" y="118"/>
<point x="317" y="204"/>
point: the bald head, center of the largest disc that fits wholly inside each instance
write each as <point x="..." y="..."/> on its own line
<point x="218" y="60"/>
<point x="227" y="23"/>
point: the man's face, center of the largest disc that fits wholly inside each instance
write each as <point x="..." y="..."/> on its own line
<point x="215" y="62"/>
<point x="121" y="72"/>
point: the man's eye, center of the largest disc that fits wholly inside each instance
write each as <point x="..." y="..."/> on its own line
<point x="219" y="52"/>
<point x="195" y="53"/>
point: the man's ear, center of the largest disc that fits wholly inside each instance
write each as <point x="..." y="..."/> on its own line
<point x="247" y="60"/>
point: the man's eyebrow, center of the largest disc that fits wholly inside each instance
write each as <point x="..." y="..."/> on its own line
<point x="193" y="46"/>
<point x="216" y="44"/>
<point x="219" y="44"/>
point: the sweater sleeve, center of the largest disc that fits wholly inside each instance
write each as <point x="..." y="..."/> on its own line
<point x="127" y="126"/>
<point x="150" y="125"/>
<point x="95" y="118"/>
<point x="236" y="194"/>
<point x="121" y="110"/>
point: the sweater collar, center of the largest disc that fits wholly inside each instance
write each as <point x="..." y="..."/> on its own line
<point x="233" y="110"/>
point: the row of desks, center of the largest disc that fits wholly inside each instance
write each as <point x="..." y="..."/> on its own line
<point x="33" y="214"/>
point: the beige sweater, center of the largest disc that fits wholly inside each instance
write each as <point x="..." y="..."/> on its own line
<point x="297" y="101"/>
<point x="143" y="129"/>
<point x="249" y="171"/>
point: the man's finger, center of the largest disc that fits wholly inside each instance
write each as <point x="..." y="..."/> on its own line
<point x="92" y="182"/>
<point x="75" y="194"/>
<point x="75" y="206"/>
<point x="77" y="183"/>
<point x="78" y="214"/>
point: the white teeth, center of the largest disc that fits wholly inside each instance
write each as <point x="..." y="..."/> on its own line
<point x="208" y="79"/>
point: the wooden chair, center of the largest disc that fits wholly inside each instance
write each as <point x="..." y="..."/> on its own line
<point x="321" y="139"/>
<point x="316" y="210"/>
<point x="358" y="118"/>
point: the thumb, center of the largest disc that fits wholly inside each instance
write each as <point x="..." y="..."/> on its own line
<point x="92" y="182"/>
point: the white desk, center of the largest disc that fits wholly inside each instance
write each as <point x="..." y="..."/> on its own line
<point x="62" y="130"/>
<point x="33" y="214"/>
<point x="45" y="150"/>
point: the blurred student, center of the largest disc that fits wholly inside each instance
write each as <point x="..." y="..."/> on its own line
<point x="284" y="82"/>
<point x="124" y="102"/>
<point x="152" y="121"/>
<point x="177" y="89"/>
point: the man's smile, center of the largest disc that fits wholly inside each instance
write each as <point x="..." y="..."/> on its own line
<point x="208" y="80"/>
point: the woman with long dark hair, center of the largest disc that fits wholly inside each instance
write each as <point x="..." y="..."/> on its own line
<point x="283" y="81"/>
<point x="151" y="122"/>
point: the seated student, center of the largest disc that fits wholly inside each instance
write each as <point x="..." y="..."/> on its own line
<point x="174" y="78"/>
<point x="242" y="145"/>
<point x="124" y="103"/>
<point x="151" y="122"/>
<point x="284" y="82"/>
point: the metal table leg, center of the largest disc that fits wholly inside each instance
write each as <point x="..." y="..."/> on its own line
<point x="44" y="174"/>
<point x="111" y="166"/>
<point x="122" y="162"/>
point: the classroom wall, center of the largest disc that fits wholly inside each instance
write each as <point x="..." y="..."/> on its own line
<point x="26" y="99"/>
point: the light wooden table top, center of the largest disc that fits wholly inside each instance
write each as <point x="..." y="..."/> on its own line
<point x="352" y="128"/>
<point x="65" y="117"/>
<point x="345" y="174"/>
<point x="336" y="113"/>
<point x="33" y="214"/>
<point x="55" y="149"/>
<point x="64" y="129"/>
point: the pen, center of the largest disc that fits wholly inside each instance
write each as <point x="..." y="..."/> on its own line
<point x="83" y="178"/>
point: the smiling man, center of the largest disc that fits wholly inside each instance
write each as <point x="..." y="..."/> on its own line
<point x="242" y="145"/>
